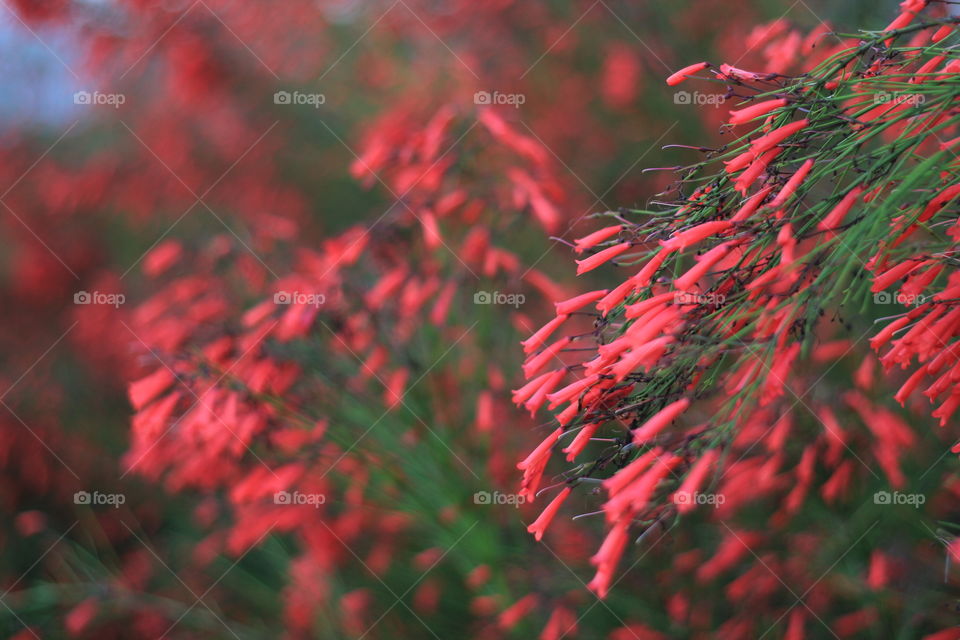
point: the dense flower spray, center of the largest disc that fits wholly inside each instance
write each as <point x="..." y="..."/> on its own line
<point x="688" y="375"/>
<point x="320" y="384"/>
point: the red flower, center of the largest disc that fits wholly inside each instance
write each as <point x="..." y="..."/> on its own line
<point x="756" y="110"/>
<point x="681" y="75"/>
<point x="540" y="525"/>
<point x="600" y="258"/>
<point x="658" y="422"/>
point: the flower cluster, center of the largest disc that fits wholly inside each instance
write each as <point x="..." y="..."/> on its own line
<point x="684" y="379"/>
<point x="301" y="241"/>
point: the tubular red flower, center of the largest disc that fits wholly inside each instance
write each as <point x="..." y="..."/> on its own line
<point x="541" y="453"/>
<point x="751" y="205"/>
<point x="600" y="258"/>
<point x="891" y="275"/>
<point x="947" y="409"/>
<point x="659" y="422"/>
<point x="748" y="177"/>
<point x="695" y="234"/>
<point x="570" y="391"/>
<point x="539" y="337"/>
<point x="920" y="76"/>
<point x="949" y="144"/>
<point x="484" y="411"/>
<point x="642" y="357"/>
<point x="395" y="384"/>
<point x="438" y="314"/>
<point x="517" y="611"/>
<point x="523" y="394"/>
<point x="651" y="325"/>
<point x="534" y="465"/>
<point x="566" y="416"/>
<point x="144" y="390"/>
<point x="534" y="364"/>
<point x="540" y="525"/>
<point x="833" y="219"/>
<point x="162" y="257"/>
<point x="942" y="33"/>
<point x="681" y="75"/>
<point x="638" y="309"/>
<point x="615" y="297"/>
<point x="905" y="17"/>
<point x="694" y="479"/>
<point x="591" y="240"/>
<point x="431" y="230"/>
<point x="734" y="546"/>
<point x="540" y="395"/>
<point x="775" y="137"/>
<point x="909" y="386"/>
<point x="580" y="441"/>
<point x="615" y="483"/>
<point x="939" y="201"/>
<point x="573" y="304"/>
<point x="561" y="622"/>
<point x="791" y="186"/>
<point x="607" y="558"/>
<point x="707" y="261"/>
<point x="645" y="275"/>
<point x="756" y="110"/>
<point x="740" y="162"/>
<point x="636" y="496"/>
<point x="152" y="421"/>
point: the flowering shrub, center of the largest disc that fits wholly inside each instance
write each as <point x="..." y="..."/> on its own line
<point x="829" y="203"/>
<point x="302" y="243"/>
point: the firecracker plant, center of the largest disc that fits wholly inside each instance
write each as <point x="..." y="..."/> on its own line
<point x="731" y="417"/>
<point x="833" y="203"/>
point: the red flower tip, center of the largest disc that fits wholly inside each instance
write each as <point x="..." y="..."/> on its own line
<point x="683" y="74"/>
<point x="540" y="525"/>
<point x="602" y="257"/>
<point x="756" y="110"/>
